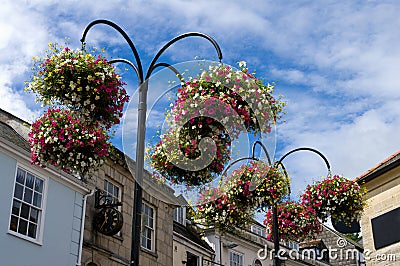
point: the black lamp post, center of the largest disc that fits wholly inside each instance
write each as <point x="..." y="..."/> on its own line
<point x="142" y="108"/>
<point x="275" y="233"/>
<point x="275" y="225"/>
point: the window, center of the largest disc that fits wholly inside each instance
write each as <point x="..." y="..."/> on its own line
<point x="147" y="227"/>
<point x="316" y="250"/>
<point x="112" y="195"/>
<point x="291" y="244"/>
<point x="258" y="230"/>
<point x="27" y="205"/>
<point x="111" y="192"/>
<point x="191" y="259"/>
<point x="179" y="215"/>
<point x="257" y="262"/>
<point x="385" y="229"/>
<point x="236" y="259"/>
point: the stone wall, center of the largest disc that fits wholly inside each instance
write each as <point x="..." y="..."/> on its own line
<point x="116" y="250"/>
<point x="340" y="250"/>
<point x="383" y="196"/>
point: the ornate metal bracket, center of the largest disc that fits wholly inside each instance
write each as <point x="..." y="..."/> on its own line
<point x="103" y="200"/>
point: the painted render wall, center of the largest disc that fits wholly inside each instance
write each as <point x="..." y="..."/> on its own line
<point x="62" y="217"/>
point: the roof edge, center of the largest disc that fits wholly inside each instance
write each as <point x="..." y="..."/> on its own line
<point x="380" y="168"/>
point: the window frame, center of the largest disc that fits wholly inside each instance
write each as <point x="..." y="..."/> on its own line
<point x="258" y="230"/>
<point x="119" y="197"/>
<point x="192" y="255"/>
<point x="257" y="262"/>
<point x="145" y="226"/>
<point x="239" y="255"/>
<point x="41" y="211"/>
<point x="180" y="215"/>
<point x="107" y="193"/>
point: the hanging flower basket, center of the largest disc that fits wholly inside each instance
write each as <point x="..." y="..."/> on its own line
<point x="175" y="156"/>
<point x="221" y="100"/>
<point x="346" y="228"/>
<point x="296" y="222"/>
<point x="64" y="138"/>
<point x="257" y="184"/>
<point x="237" y="97"/>
<point x="336" y="196"/>
<point x="220" y="210"/>
<point x="80" y="81"/>
<point x="242" y="183"/>
<point x="242" y="192"/>
<point x="271" y="188"/>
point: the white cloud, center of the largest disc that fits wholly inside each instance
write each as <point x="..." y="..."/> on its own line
<point x="352" y="146"/>
<point x="336" y="62"/>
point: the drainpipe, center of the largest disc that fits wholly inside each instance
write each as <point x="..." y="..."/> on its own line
<point x="78" y="262"/>
<point x="220" y="249"/>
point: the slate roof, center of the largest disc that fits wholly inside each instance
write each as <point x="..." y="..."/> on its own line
<point x="9" y="134"/>
<point x="191" y="234"/>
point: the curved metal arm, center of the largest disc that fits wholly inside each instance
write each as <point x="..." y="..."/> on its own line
<point x="307" y="149"/>
<point x="139" y="68"/>
<point x="263" y="147"/>
<point x="275" y="212"/>
<point x="123" y="60"/>
<point x="230" y="165"/>
<point x="279" y="163"/>
<point x="236" y="161"/>
<point x="253" y="157"/>
<point x="185" y="35"/>
<point x="170" y="67"/>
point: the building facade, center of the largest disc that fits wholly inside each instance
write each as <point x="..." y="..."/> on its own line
<point x="239" y="248"/>
<point x="250" y="248"/>
<point x="332" y="248"/>
<point x="189" y="248"/>
<point x="381" y="219"/>
<point x="41" y="207"/>
<point x="114" y="179"/>
<point x="52" y="218"/>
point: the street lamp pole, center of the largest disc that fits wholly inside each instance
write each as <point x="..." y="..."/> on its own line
<point x="275" y="224"/>
<point x="142" y="109"/>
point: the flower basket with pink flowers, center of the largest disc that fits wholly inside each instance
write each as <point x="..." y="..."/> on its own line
<point x="80" y="81"/>
<point x="296" y="222"/>
<point x="219" y="104"/>
<point x="247" y="188"/>
<point x="63" y="138"/>
<point x="336" y="196"/>
<point x="223" y="211"/>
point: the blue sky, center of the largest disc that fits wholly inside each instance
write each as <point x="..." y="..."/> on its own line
<point x="335" y="62"/>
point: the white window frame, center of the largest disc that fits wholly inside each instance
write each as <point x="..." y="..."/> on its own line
<point x="108" y="193"/>
<point x="114" y="198"/>
<point x="291" y="244"/>
<point x="258" y="230"/>
<point x="150" y="227"/>
<point x="180" y="215"/>
<point x="41" y="214"/>
<point x="233" y="255"/>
